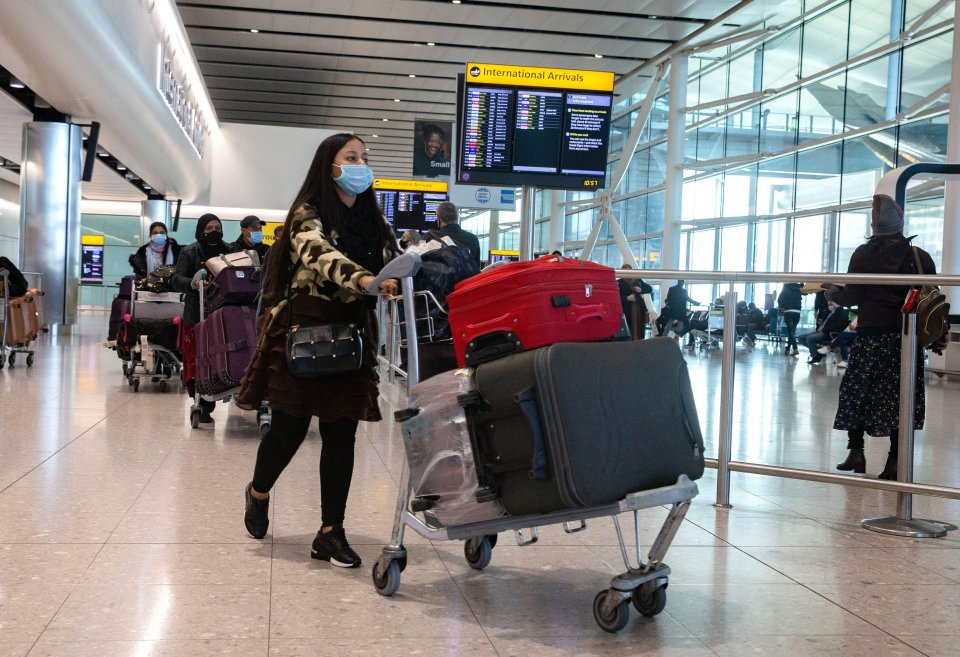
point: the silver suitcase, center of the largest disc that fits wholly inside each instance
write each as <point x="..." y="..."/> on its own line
<point x="439" y="454"/>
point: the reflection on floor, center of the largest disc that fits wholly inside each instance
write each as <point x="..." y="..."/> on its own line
<point x="121" y="534"/>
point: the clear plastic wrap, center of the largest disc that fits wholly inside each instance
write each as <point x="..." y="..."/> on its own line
<point x="439" y="455"/>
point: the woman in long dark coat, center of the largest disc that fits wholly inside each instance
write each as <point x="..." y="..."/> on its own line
<point x="870" y="389"/>
<point x="335" y="240"/>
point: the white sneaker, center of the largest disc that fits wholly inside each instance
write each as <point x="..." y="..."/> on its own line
<point x="842" y="364"/>
<point x="825" y="349"/>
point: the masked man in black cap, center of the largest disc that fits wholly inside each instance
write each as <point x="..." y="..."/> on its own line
<point x="251" y="237"/>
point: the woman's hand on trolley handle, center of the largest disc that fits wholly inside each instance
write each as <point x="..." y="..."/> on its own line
<point x="388" y="287"/>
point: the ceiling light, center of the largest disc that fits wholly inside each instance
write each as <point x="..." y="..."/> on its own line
<point x="374" y="135"/>
<point x="456" y="2"/>
<point x="385" y="120"/>
<point x="120" y="167"/>
<point x="411" y="76"/>
<point x="147" y="187"/>
<point x="396" y="100"/>
<point x="431" y="43"/>
<point x="103" y="153"/>
<point x="598" y="55"/>
<point x="16" y="84"/>
<point x="254" y="31"/>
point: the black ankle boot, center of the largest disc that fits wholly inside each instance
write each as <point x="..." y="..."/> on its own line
<point x="890" y="469"/>
<point x="856" y="461"/>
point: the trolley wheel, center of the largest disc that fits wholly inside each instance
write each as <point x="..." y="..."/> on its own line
<point x="611" y="621"/>
<point x="162" y="385"/>
<point x="388" y="582"/>
<point x="13" y="358"/>
<point x="136" y="385"/>
<point x="3" y="361"/>
<point x="125" y="368"/>
<point x="29" y="360"/>
<point x="195" y="419"/>
<point x="478" y="552"/>
<point x="649" y="601"/>
<point x="264" y="429"/>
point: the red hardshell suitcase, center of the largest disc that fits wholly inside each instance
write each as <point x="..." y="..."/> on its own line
<point x="524" y="305"/>
<point x="225" y="342"/>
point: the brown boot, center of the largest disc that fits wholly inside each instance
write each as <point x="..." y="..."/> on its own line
<point x="856" y="461"/>
<point x="890" y="469"/>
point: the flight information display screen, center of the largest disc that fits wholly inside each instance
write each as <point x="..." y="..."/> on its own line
<point x="410" y="204"/>
<point x="522" y="134"/>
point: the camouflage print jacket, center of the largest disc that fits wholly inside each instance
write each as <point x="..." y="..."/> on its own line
<point x="322" y="271"/>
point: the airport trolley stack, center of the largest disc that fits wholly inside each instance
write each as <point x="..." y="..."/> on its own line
<point x="453" y="488"/>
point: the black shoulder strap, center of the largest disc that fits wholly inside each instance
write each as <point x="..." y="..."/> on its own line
<point x="916" y="259"/>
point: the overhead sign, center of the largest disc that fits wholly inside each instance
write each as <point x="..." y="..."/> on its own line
<point x="534" y="76"/>
<point x="410" y="185"/>
<point x="483" y="198"/>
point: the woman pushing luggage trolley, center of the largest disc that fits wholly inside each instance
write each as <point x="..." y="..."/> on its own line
<point x="549" y="436"/>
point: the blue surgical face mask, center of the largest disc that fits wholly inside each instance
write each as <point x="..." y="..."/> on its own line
<point x="354" y="178"/>
<point x="159" y="240"/>
<point x="256" y="236"/>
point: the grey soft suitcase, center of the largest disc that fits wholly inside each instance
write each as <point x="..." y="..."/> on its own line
<point x="577" y="425"/>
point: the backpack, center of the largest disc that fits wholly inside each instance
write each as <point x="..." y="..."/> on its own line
<point x="159" y="280"/>
<point x="933" y="323"/>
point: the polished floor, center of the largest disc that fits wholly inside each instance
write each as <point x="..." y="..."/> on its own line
<point x="121" y="534"/>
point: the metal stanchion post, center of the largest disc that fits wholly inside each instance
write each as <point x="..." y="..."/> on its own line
<point x="904" y="524"/>
<point x="726" y="398"/>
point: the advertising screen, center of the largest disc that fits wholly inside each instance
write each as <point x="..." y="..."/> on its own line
<point x="534" y="126"/>
<point x="409" y="204"/>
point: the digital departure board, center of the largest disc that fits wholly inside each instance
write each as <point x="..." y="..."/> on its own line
<point x="534" y="126"/>
<point x="410" y="204"/>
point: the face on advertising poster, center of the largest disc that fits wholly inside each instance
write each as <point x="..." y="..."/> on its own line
<point x="431" y="148"/>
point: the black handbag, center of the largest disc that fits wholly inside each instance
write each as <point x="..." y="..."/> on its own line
<point x="324" y="349"/>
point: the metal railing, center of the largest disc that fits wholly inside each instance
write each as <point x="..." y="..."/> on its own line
<point x="903" y="524"/>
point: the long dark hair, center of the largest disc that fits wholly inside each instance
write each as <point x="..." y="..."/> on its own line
<point x="320" y="191"/>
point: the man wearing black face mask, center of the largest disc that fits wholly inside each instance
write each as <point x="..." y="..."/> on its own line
<point x="209" y="234"/>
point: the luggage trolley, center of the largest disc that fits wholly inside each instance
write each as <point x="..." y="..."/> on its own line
<point x="153" y="314"/>
<point x="642" y="584"/>
<point x="394" y="340"/>
<point x="263" y="413"/>
<point x="6" y="330"/>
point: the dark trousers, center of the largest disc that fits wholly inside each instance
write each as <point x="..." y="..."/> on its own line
<point x="791" y="320"/>
<point x="336" y="459"/>
<point x="855" y="440"/>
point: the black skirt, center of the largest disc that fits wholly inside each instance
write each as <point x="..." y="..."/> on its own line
<point x="870" y="389"/>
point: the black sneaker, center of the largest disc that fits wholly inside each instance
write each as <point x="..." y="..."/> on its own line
<point x="257" y="513"/>
<point x="333" y="547"/>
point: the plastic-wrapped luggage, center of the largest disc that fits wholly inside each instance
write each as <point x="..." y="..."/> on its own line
<point x="559" y="427"/>
<point x="225" y="341"/>
<point x="524" y="305"/>
<point x="439" y="452"/>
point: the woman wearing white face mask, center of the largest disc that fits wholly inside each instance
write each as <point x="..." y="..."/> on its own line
<point x="335" y="240"/>
<point x="160" y="251"/>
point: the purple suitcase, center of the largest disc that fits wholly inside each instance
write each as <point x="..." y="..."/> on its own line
<point x="233" y="286"/>
<point x="118" y="309"/>
<point x="126" y="287"/>
<point x="225" y="343"/>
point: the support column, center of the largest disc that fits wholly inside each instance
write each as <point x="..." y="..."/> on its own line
<point x="950" y="263"/>
<point x="673" y="184"/>
<point x="528" y="218"/>
<point x="557" y="221"/>
<point x="493" y="239"/>
<point x="151" y="211"/>
<point x="50" y="215"/>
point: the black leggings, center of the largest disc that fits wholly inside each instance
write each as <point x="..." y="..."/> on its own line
<point x="336" y="459"/>
<point x="791" y="320"/>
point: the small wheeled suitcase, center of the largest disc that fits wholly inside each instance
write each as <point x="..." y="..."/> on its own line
<point x="225" y="342"/>
<point x="233" y="286"/>
<point x="127" y="283"/>
<point x="437" y="442"/>
<point x="17" y="329"/>
<point x="577" y="425"/>
<point x="118" y="309"/>
<point x="33" y="311"/>
<point x="524" y="305"/>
